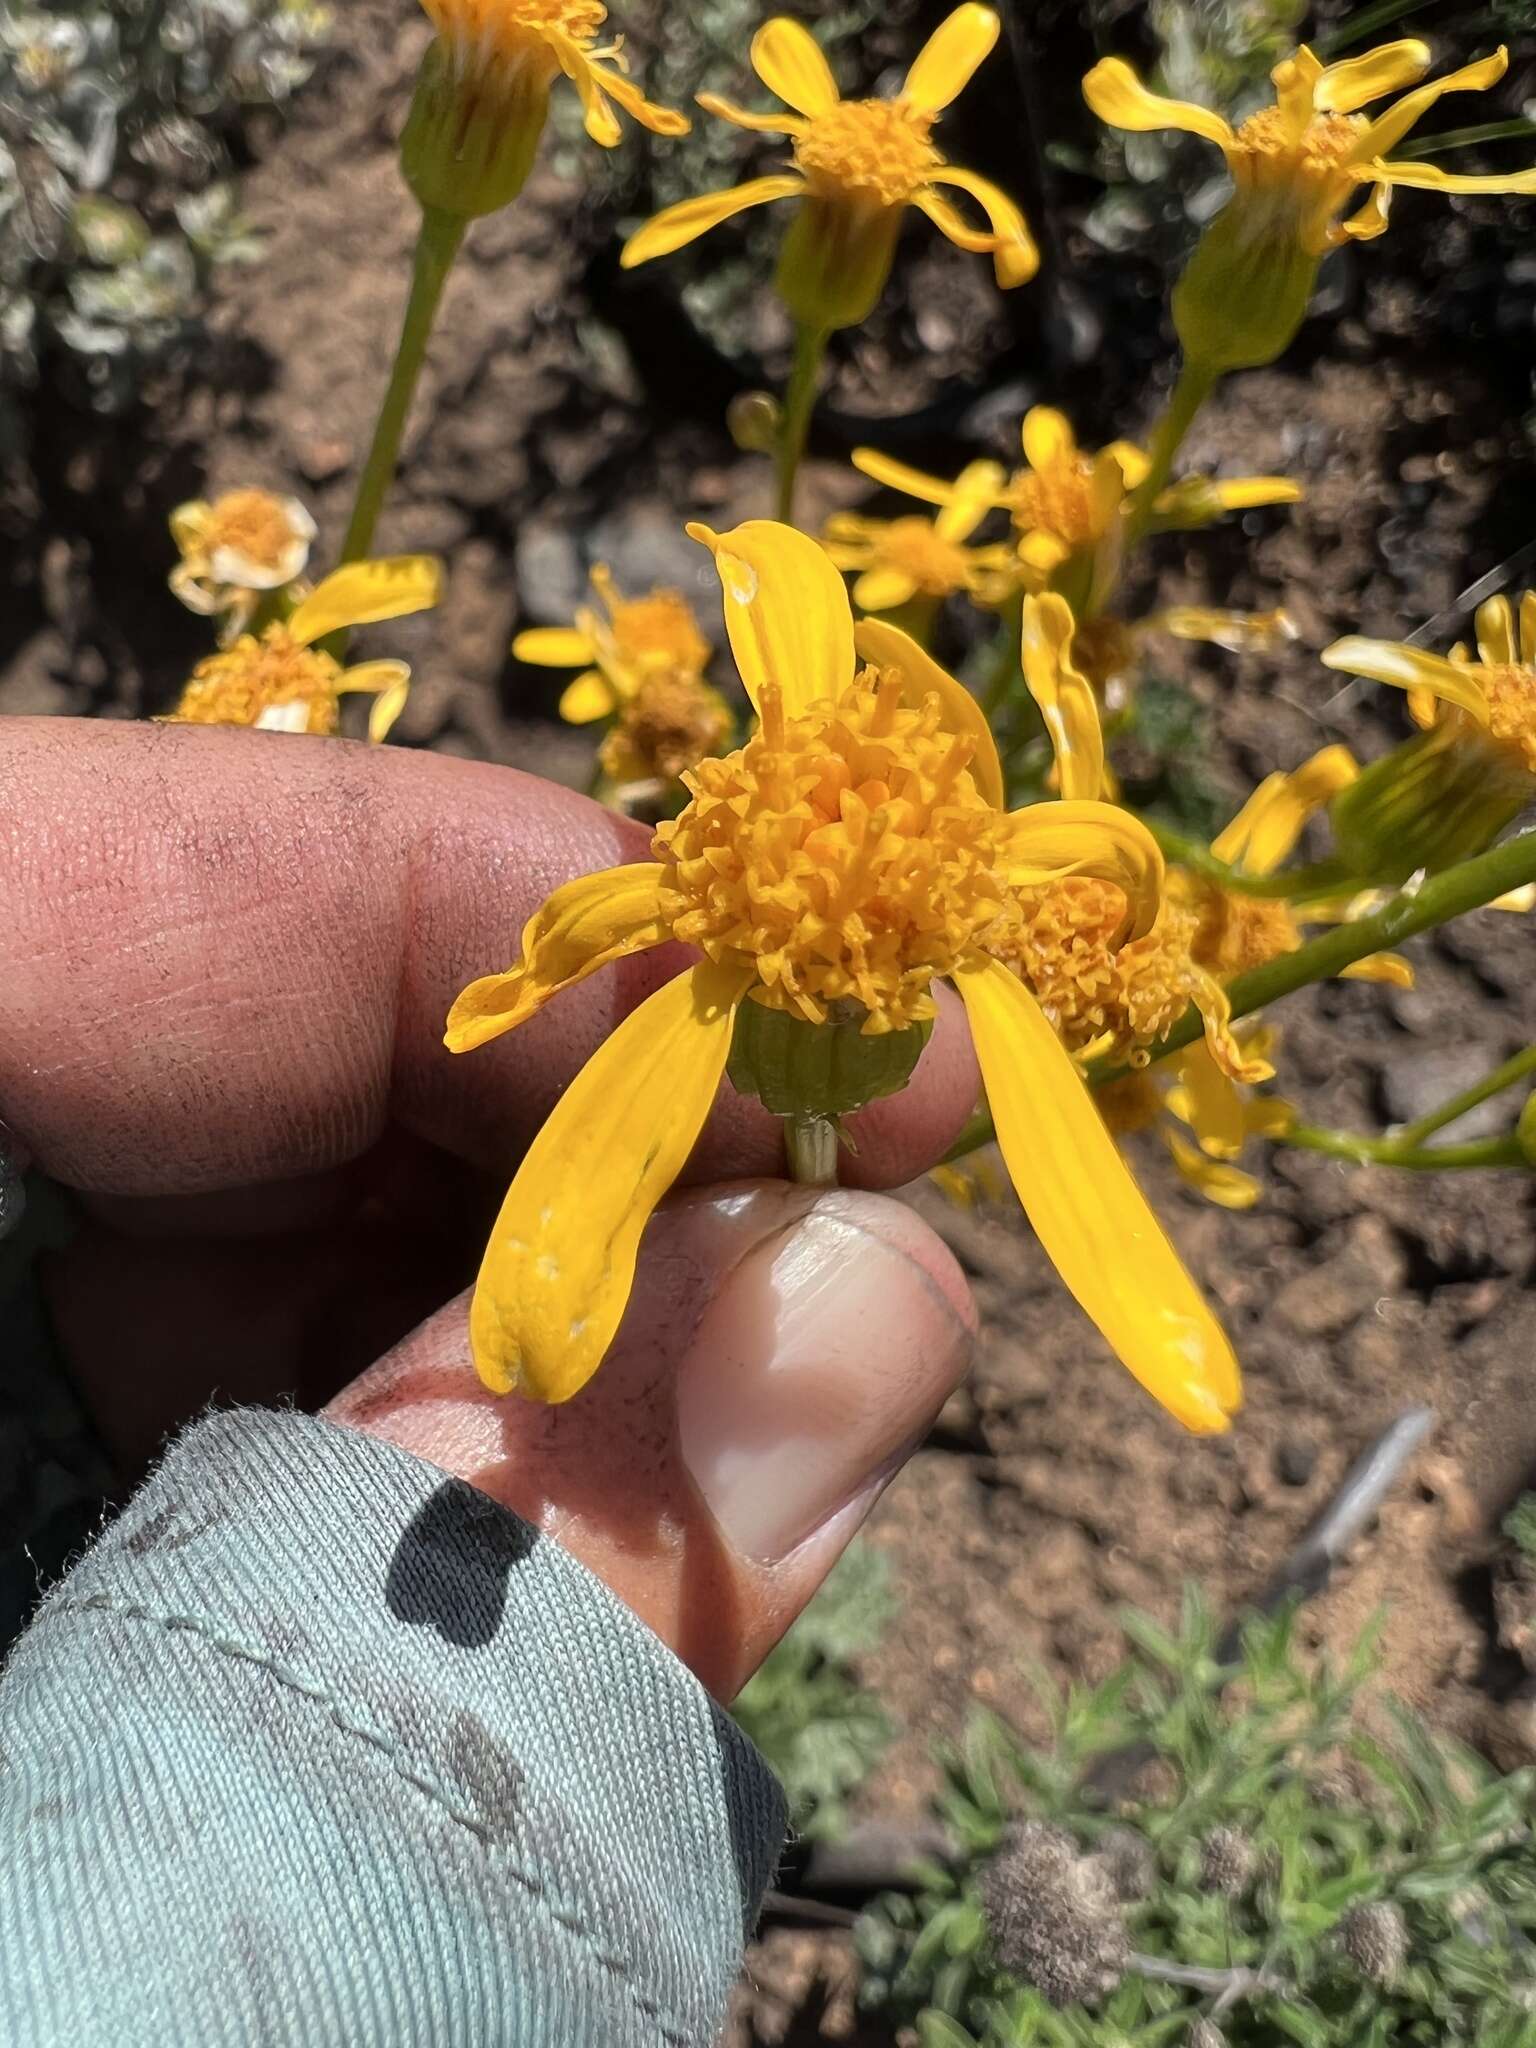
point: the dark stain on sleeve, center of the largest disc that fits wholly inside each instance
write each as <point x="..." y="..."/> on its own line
<point x="489" y="1774"/>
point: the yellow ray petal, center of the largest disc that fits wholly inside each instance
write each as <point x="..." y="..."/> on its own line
<point x="1388" y="129"/>
<point x="1266" y="829"/>
<point x="976" y="490"/>
<point x="1118" y="96"/>
<point x="554" y="647"/>
<point x="588" y="696"/>
<point x="789" y="61"/>
<point x="1430" y="178"/>
<point x="1215" y="1007"/>
<point x="1089" y="1215"/>
<point x="883" y="590"/>
<point x="1066" y="699"/>
<point x="945" y="64"/>
<point x="1228" y="1186"/>
<point x="363" y="593"/>
<point x="888" y="647"/>
<point x="1496" y="632"/>
<point x="675" y="226"/>
<point x="1015" y="258"/>
<point x="1210" y="1102"/>
<point x="1238" y="632"/>
<point x="1528" y="628"/>
<point x="1081" y="838"/>
<point x="1391" y="968"/>
<point x="659" y="120"/>
<point x="388" y="683"/>
<point x="1132" y="462"/>
<point x="741" y="117"/>
<point x="1346" y="87"/>
<point x="786" y="611"/>
<point x="1047" y="437"/>
<point x="1408" y="668"/>
<point x="900" y="476"/>
<point x="560" y="1264"/>
<point x="1368" y="221"/>
<point x="581" y="927"/>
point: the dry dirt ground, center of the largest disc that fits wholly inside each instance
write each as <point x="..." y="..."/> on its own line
<point x="1051" y="1491"/>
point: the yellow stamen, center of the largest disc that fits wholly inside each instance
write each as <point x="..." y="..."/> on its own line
<point x="875" y="149"/>
<point x="258" y="676"/>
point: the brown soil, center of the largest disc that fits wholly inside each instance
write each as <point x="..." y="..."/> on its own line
<point x="1052" y="1492"/>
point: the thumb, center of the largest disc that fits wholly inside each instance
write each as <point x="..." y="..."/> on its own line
<point x="785" y="1348"/>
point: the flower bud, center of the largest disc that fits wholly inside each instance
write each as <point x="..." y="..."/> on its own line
<point x="1439" y="798"/>
<point x="754" y="420"/>
<point x="469" y="143"/>
<point x="1375" y="1938"/>
<point x="1052" y="1916"/>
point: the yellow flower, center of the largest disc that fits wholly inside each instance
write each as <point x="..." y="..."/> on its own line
<point x="1066" y="504"/>
<point x="1296" y="166"/>
<point x="483" y="96"/>
<point x="243" y="542"/>
<point x="280" y="680"/>
<point x="1109" y="650"/>
<point x="858" y="165"/>
<point x="672" y="722"/>
<point x="851" y="852"/>
<point x="1199" y="1096"/>
<point x="1448" y="793"/>
<point x="897" y="560"/>
<point x="641" y="637"/>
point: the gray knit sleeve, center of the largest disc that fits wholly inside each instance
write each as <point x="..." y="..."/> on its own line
<point x="319" y="1746"/>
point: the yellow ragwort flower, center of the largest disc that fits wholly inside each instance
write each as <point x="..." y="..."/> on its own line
<point x="1296" y="166"/>
<point x="281" y="681"/>
<point x="851" y="852"/>
<point x="1193" y="1093"/>
<point x="246" y="541"/>
<point x="1450" y="791"/>
<point x="640" y="637"/>
<point x="1066" y="504"/>
<point x="858" y="165"/>
<point x="483" y="95"/>
<point x="898" y="560"/>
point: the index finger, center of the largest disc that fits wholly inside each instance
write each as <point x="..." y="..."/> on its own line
<point x="226" y="958"/>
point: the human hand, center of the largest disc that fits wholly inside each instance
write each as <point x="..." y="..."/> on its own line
<point x="225" y="960"/>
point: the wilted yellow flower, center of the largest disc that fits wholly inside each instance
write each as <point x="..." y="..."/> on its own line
<point x="853" y="851"/>
<point x="897" y="560"/>
<point x="858" y="165"/>
<point x="1109" y="650"/>
<point x="1193" y="1093"/>
<point x="1296" y="167"/>
<point x="670" y="724"/>
<point x="1067" y="504"/>
<point x="246" y="541"/>
<point x="1448" y="793"/>
<point x="483" y="95"/>
<point x="281" y="681"/>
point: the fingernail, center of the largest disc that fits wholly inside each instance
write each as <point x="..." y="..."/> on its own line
<point x="823" y="1358"/>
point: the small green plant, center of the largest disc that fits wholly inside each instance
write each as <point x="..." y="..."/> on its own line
<point x="806" y="1711"/>
<point x="1218" y="1851"/>
<point x="115" y="199"/>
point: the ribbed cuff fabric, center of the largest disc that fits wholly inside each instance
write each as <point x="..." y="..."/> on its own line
<point x="319" y="1746"/>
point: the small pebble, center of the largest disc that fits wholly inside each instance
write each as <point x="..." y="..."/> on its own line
<point x="1296" y="1460"/>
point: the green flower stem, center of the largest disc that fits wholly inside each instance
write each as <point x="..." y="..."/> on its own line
<point x="1354" y="28"/>
<point x="1364" y="1151"/>
<point x="436" y="247"/>
<point x="1194" y="386"/>
<point x="1322" y="878"/>
<point x="1470" y="885"/>
<point x="1464" y="138"/>
<point x="1513" y="1070"/>
<point x="810" y="1143"/>
<point x="799" y="402"/>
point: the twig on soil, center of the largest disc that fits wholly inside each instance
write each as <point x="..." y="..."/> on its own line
<point x="1226" y="1986"/>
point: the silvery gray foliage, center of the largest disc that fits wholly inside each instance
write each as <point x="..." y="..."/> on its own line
<point x="115" y="199"/>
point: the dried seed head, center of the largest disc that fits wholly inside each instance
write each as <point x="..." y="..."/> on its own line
<point x="1129" y="1862"/>
<point x="1053" y="1916"/>
<point x="1375" y="1938"/>
<point x="1227" y="1862"/>
<point x="1205" y="2034"/>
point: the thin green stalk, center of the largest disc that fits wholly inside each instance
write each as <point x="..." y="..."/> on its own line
<point x="436" y="247"/>
<point x="799" y="402"/>
<point x="1464" y="138"/>
<point x="1514" y="1069"/>
<point x="1354" y="28"/>
<point x="1363" y="1151"/>
<point x="1194" y="386"/>
<point x="1322" y="878"/>
<point x="1470" y="885"/>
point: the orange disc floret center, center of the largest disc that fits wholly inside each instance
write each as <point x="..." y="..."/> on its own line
<point x="253" y="676"/>
<point x="936" y="565"/>
<point x="1116" y="998"/>
<point x="878" y="149"/>
<point x="1064" y="500"/>
<point x="252" y="524"/>
<point x="1510" y="690"/>
<point x="671" y="722"/>
<point x="1235" y="932"/>
<point x="658" y="632"/>
<point x="483" y="31"/>
<point x="846" y="855"/>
